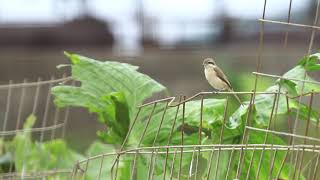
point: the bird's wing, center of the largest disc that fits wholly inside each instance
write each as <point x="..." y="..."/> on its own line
<point x="222" y="76"/>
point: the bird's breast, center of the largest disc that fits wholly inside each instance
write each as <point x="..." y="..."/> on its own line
<point x="213" y="79"/>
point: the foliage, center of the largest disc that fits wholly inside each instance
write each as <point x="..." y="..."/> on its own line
<point x="113" y="90"/>
<point x="293" y="88"/>
<point x="212" y="114"/>
<point x="28" y="156"/>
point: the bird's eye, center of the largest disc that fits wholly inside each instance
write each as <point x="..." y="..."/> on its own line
<point x="211" y="63"/>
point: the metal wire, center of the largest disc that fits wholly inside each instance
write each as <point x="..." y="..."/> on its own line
<point x="290" y="24"/>
<point x="30" y="84"/>
<point x="32" y="130"/>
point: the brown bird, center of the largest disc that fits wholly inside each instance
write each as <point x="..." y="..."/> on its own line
<point x="216" y="78"/>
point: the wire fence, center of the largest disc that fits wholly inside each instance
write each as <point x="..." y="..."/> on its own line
<point x="164" y="156"/>
<point x="22" y="100"/>
<point x="38" y="102"/>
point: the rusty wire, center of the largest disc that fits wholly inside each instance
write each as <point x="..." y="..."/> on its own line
<point x="35" y="175"/>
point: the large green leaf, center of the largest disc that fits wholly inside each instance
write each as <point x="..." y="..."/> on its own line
<point x="99" y="79"/>
<point x="112" y="90"/>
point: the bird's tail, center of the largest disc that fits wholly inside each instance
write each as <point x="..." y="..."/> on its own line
<point x="236" y="96"/>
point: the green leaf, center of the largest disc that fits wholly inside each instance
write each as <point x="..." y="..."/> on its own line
<point x="122" y="120"/>
<point x="289" y="86"/>
<point x="298" y="73"/>
<point x="56" y="154"/>
<point x="310" y="63"/>
<point x="22" y="143"/>
<point x="307" y="63"/>
<point x="229" y="136"/>
<point x="246" y="82"/>
<point x="125" y="167"/>
<point x="75" y="96"/>
<point x="238" y="118"/>
<point x="142" y="167"/>
<point x="31" y="119"/>
<point x="112" y="110"/>
<point x="304" y="111"/>
<point x="264" y="105"/>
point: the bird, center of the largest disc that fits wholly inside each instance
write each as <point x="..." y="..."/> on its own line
<point x="216" y="78"/>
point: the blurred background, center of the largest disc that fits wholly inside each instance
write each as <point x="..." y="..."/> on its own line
<point x="168" y="39"/>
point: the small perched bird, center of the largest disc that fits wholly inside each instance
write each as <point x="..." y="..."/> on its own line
<point x="216" y="78"/>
